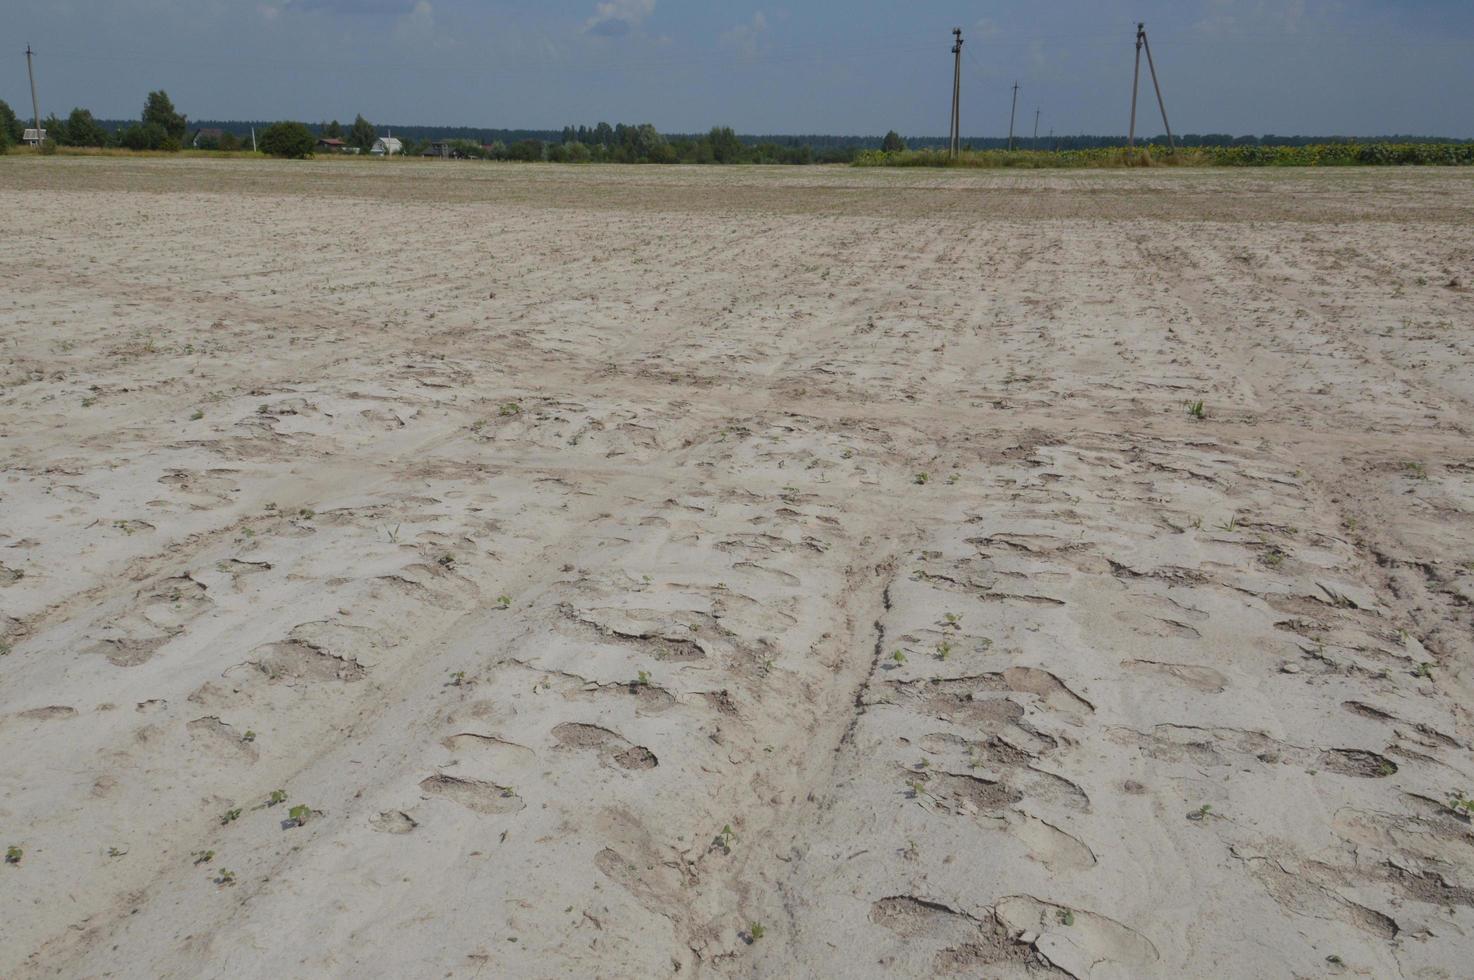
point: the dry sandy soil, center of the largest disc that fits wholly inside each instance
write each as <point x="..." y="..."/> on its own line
<point x="732" y="573"/>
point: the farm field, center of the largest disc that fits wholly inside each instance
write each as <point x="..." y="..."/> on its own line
<point x="471" y="570"/>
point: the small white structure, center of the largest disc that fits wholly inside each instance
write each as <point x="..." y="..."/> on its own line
<point x="34" y="137"/>
<point x="386" y="146"/>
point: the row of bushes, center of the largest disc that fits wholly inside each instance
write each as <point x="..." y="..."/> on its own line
<point x="1316" y="155"/>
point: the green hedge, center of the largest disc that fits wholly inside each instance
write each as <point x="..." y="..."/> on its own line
<point x="1318" y="155"/>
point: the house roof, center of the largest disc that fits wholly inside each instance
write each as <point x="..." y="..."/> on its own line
<point x="330" y="141"/>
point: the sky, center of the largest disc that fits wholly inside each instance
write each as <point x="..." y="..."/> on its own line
<point x="1315" y="67"/>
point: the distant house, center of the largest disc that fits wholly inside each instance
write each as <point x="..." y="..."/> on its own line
<point x="445" y="150"/>
<point x="330" y="145"/>
<point x="34" y="137"/>
<point x="386" y="146"/>
<point x="206" y="138"/>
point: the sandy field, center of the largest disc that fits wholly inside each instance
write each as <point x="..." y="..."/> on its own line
<point x="470" y="570"/>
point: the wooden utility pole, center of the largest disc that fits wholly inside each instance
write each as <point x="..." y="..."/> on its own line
<point x="35" y="106"/>
<point x="954" y="143"/>
<point x="1011" y="114"/>
<point x="1142" y="42"/>
<point x="1035" y="141"/>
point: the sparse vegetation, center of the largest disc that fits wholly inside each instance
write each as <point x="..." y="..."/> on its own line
<point x="299" y="815"/>
<point x="14" y="854"/>
<point x="230" y="816"/>
<point x="202" y="857"/>
<point x="1196" y="410"/>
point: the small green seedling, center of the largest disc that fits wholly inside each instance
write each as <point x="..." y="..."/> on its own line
<point x="1065" y="917"/>
<point x="300" y="814"/>
<point x="1201" y="813"/>
<point x="458" y="678"/>
<point x="504" y="601"/>
<point x="509" y="409"/>
<point x="1416" y="471"/>
<point x="508" y="792"/>
<point x="725" y="839"/>
<point x="1460" y="804"/>
<point x="250" y="736"/>
<point x="921" y="479"/>
<point x="13" y="854"/>
<point x="446" y="561"/>
<point x="642" y="679"/>
<point x="1424" y="670"/>
<point x="203" y="857"/>
<point x="307" y="513"/>
<point x="1232" y="524"/>
<point x="898" y="657"/>
<point x="1335" y="960"/>
<point x="1196" y="410"/>
<point x="197" y="415"/>
<point x="230" y="816"/>
<point x="954" y="479"/>
<point x="224" y="876"/>
<point x="277" y="796"/>
<point x="756" y="931"/>
<point x="944" y="650"/>
<point x="953" y="620"/>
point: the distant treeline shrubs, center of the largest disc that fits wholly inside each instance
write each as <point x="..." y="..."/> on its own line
<point x="1312" y="155"/>
<point x="160" y="127"/>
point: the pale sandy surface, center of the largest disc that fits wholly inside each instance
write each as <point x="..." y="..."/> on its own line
<point x="277" y="439"/>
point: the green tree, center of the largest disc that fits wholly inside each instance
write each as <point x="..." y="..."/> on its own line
<point x="56" y="130"/>
<point x="83" y="130"/>
<point x="333" y="130"/>
<point x="362" y="135"/>
<point x="526" y="150"/>
<point x="150" y="136"/>
<point x="725" y="146"/>
<point x="159" y="111"/>
<point x="14" y="128"/>
<point x="893" y="143"/>
<point x="290" y="140"/>
<point x="229" y="142"/>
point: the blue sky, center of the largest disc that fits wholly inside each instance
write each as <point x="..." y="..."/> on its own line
<point x="799" y="66"/>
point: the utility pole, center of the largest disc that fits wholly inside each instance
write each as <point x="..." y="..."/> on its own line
<point x="1011" y="114"/>
<point x="954" y="144"/>
<point x="1035" y="141"/>
<point x="1142" y="42"/>
<point x="35" y="106"/>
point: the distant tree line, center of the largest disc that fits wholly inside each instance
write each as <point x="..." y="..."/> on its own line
<point x="162" y="127"/>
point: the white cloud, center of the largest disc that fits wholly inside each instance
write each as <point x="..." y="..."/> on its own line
<point x="613" y="18"/>
<point x="746" y="38"/>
